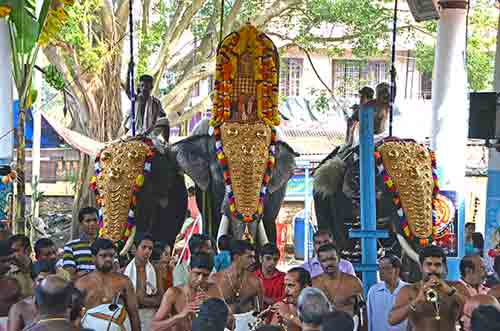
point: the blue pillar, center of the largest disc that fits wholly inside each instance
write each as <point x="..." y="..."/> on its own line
<point x="368" y="232"/>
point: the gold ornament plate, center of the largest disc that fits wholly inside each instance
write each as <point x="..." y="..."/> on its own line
<point x="120" y="165"/>
<point x="410" y="167"/>
<point x="246" y="146"/>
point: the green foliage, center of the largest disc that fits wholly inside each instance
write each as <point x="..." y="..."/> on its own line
<point x="320" y="100"/>
<point x="53" y="77"/>
<point x="365" y="24"/>
<point x="480" y="48"/>
<point x="81" y="33"/>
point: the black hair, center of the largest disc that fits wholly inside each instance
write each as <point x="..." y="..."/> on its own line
<point x="270" y="327"/>
<point x="393" y="260"/>
<point x="496" y="265"/>
<point x="201" y="261"/>
<point x="146" y="78"/>
<point x="327" y="248"/>
<point x="25" y="241"/>
<point x="367" y="92"/>
<point x="485" y="318"/>
<point x="432" y="251"/>
<point x="101" y="244"/>
<point x="338" y="321"/>
<point x="53" y="302"/>
<point x="322" y="232"/>
<point x="77" y="303"/>
<point x="145" y="236"/>
<point x="239" y="247"/>
<point x="5" y="248"/>
<point x="269" y="249"/>
<point x="197" y="241"/>
<point x="224" y="242"/>
<point x="466" y="263"/>
<point x="86" y="211"/>
<point x="468" y="224"/>
<point x="304" y="276"/>
<point x="41" y="244"/>
<point x="43" y="266"/>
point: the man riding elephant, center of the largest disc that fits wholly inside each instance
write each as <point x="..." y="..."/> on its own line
<point x="237" y="159"/>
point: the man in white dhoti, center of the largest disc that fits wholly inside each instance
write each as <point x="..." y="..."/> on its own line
<point x="109" y="297"/>
<point x="145" y="279"/>
<point x="241" y="289"/>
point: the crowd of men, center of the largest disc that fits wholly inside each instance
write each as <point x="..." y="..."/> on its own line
<point x="237" y="289"/>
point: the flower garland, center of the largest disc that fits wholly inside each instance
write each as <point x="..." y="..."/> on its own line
<point x="5" y="10"/>
<point x="139" y="183"/>
<point x="248" y="39"/>
<point x="391" y="187"/>
<point x="221" y="158"/>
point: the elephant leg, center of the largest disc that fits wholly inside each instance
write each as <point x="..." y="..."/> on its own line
<point x="272" y="207"/>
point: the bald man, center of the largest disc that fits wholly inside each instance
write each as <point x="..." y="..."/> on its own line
<point x="53" y="297"/>
<point x="472" y="303"/>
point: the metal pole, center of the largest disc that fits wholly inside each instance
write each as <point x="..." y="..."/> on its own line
<point x="493" y="191"/>
<point x="131" y="65"/>
<point x="6" y="103"/>
<point x="306" y="213"/>
<point x="368" y="232"/>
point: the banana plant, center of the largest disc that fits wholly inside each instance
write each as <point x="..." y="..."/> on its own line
<point x="30" y="28"/>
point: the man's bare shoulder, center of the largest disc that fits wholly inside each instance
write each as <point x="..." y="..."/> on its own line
<point x="10" y="287"/>
<point x="460" y="288"/>
<point x="318" y="278"/>
<point x="92" y="277"/>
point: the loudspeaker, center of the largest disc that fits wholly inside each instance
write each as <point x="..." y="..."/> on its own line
<point x="482" y="115"/>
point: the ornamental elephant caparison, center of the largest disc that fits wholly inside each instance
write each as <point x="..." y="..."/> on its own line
<point x="407" y="199"/>
<point x="238" y="157"/>
<point x="197" y="157"/>
<point x="140" y="189"/>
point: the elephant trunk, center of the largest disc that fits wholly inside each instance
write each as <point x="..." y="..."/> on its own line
<point x="253" y="231"/>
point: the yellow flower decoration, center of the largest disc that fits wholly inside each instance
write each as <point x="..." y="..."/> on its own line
<point x="5" y="10"/>
<point x="69" y="2"/>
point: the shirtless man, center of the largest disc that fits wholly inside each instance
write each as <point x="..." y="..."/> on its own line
<point x="180" y="304"/>
<point x="343" y="290"/>
<point x="411" y="301"/>
<point x="296" y="279"/>
<point x="241" y="289"/>
<point x="146" y="280"/>
<point x="471" y="304"/>
<point x="53" y="297"/>
<point x="25" y="312"/>
<point x="11" y="291"/>
<point x="102" y="285"/>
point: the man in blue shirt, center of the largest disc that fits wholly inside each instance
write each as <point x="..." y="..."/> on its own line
<point x="381" y="296"/>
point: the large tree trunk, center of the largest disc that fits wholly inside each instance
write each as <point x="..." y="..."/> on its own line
<point x="84" y="197"/>
<point x="20" y="221"/>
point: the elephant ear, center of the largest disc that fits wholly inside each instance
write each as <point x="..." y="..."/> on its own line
<point x="285" y="165"/>
<point x="191" y="155"/>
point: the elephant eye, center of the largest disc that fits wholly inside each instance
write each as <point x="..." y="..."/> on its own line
<point x="106" y="156"/>
<point x="260" y="134"/>
<point x="233" y="132"/>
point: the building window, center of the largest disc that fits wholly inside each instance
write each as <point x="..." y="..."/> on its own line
<point x="290" y="77"/>
<point x="349" y="76"/>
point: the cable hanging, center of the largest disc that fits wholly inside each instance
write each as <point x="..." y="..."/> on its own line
<point x="131" y="66"/>
<point x="393" y="67"/>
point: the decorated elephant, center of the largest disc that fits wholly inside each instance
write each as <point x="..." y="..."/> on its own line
<point x="408" y="201"/>
<point x="237" y="160"/>
<point x="139" y="188"/>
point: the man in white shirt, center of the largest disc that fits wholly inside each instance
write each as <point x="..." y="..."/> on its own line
<point x="381" y="296"/>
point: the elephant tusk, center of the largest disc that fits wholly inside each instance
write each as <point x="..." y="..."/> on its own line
<point x="261" y="234"/>
<point x="129" y="242"/>
<point x="407" y="248"/>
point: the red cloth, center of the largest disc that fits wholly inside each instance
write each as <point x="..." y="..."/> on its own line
<point x="274" y="287"/>
<point x="193" y="207"/>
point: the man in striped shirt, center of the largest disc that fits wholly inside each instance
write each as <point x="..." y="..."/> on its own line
<point x="77" y="259"/>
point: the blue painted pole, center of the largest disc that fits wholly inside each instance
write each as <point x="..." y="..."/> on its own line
<point x="368" y="232"/>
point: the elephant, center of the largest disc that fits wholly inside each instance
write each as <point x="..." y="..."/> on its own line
<point x="336" y="193"/>
<point x="196" y="155"/>
<point x="139" y="177"/>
